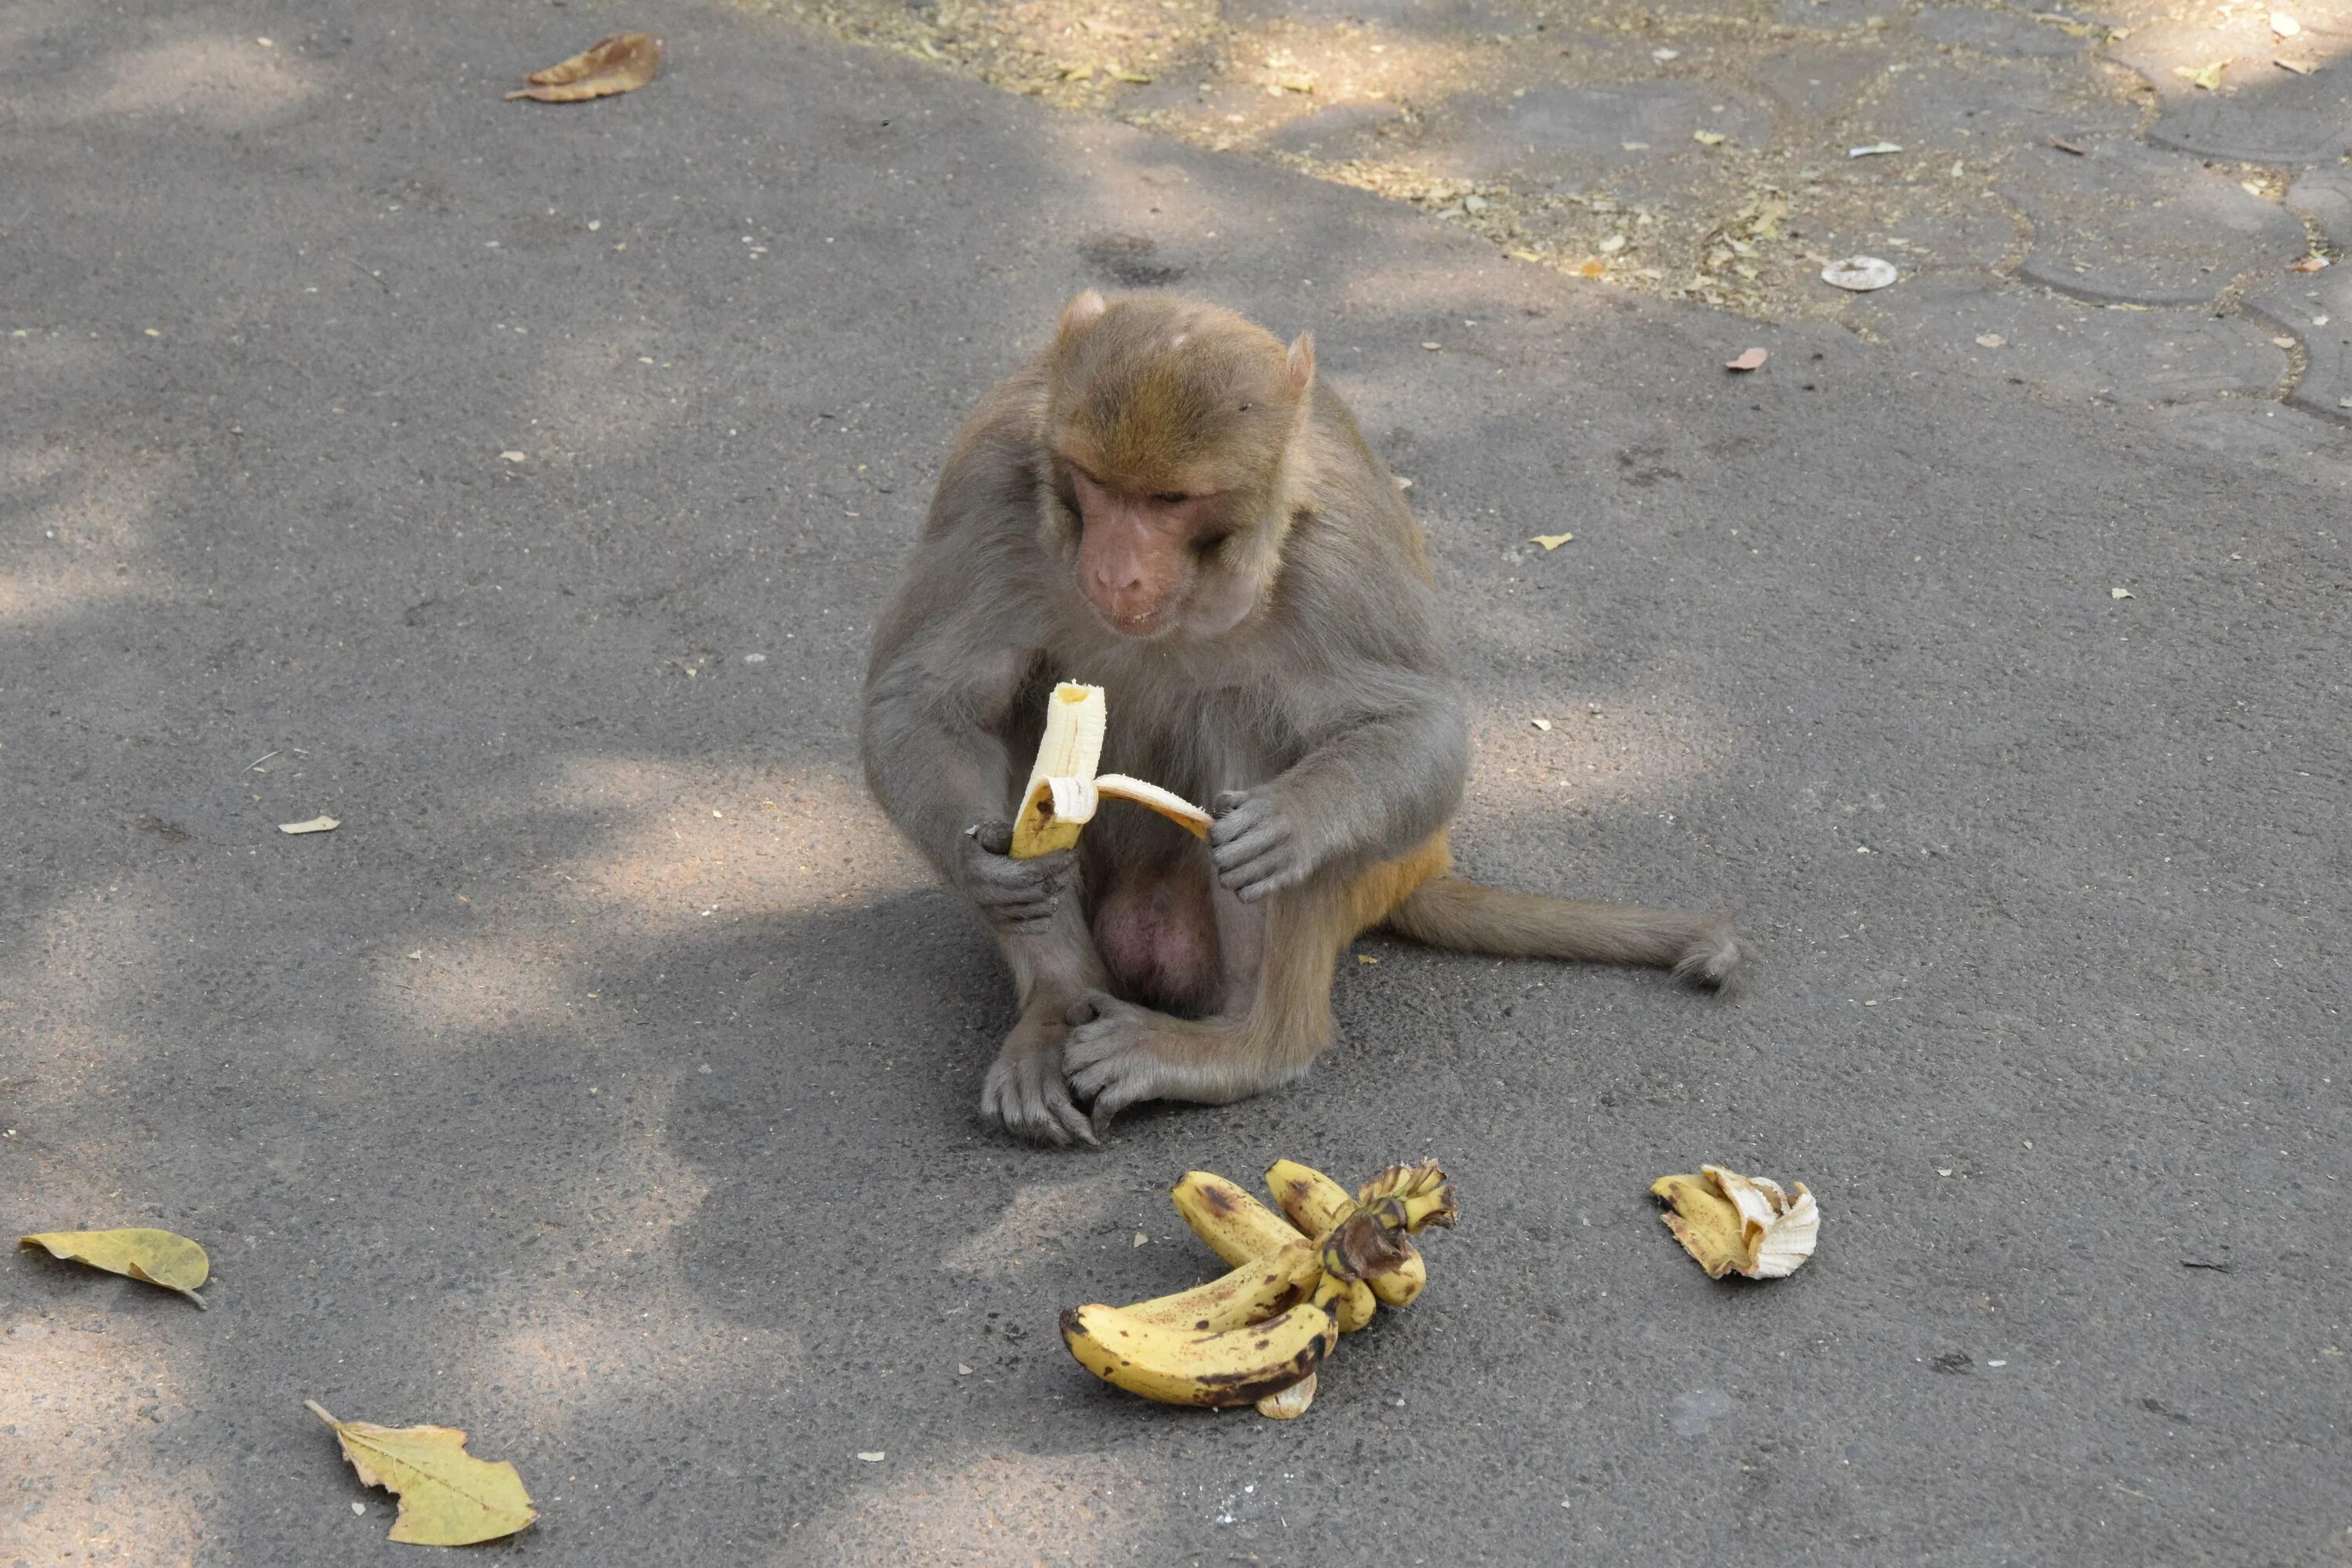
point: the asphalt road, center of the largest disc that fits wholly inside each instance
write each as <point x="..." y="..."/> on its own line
<point x="518" y="485"/>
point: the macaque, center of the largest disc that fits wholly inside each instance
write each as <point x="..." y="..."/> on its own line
<point x="1169" y="503"/>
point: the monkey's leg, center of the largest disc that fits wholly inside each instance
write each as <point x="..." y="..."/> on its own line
<point x="1025" y="1090"/>
<point x="1122" y="1054"/>
<point x="1453" y="912"/>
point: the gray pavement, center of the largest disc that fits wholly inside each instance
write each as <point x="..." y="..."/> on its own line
<point x="604" y="1084"/>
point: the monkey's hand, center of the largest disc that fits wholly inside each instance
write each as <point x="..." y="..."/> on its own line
<point x="1010" y="895"/>
<point x="1255" y="848"/>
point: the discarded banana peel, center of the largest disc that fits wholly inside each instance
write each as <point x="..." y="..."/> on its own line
<point x="1063" y="790"/>
<point x="1740" y="1225"/>
<point x="1259" y="1333"/>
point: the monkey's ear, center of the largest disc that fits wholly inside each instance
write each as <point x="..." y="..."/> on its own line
<point x="1300" y="362"/>
<point x="1081" y="310"/>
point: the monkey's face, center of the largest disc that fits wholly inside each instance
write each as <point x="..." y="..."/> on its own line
<point x="1168" y="428"/>
<point x="1149" y="559"/>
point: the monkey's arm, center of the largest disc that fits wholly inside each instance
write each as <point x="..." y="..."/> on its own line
<point x="1387" y="772"/>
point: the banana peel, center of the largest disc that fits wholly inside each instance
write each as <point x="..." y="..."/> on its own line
<point x="1741" y="1224"/>
<point x="1064" y="790"/>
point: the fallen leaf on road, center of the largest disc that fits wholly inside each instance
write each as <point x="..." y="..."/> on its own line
<point x="316" y="825"/>
<point x="1544" y="724"/>
<point x="621" y="63"/>
<point x="1750" y="359"/>
<point x="1136" y="77"/>
<point x="1551" y="541"/>
<point x="447" y="1497"/>
<point x="1611" y="245"/>
<point x="1875" y="150"/>
<point x="1591" y="266"/>
<point x="157" y="1257"/>
<point x="2300" y="67"/>
<point x="2069" y="147"/>
<point x="2206" y="77"/>
<point x="2281" y="342"/>
<point x="513" y="457"/>
<point x="1709" y="138"/>
<point x="1989" y="340"/>
<point x="1860" y="274"/>
<point x="2308" y="264"/>
<point x="1525" y="256"/>
<point x="1736" y="1224"/>
<point x="1295" y="83"/>
<point x="2119" y="592"/>
<point x="874" y="1455"/>
<point x="1432" y="347"/>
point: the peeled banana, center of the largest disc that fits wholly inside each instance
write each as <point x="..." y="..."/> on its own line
<point x="1063" y="790"/>
<point x="1258" y="1333"/>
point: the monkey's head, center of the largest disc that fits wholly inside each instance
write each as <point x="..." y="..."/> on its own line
<point x="1168" y="427"/>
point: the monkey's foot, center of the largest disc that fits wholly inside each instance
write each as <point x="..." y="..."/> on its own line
<point x="1123" y="1055"/>
<point x="1027" y="1093"/>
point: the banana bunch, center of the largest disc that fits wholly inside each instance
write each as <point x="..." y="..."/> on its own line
<point x="1302" y="1277"/>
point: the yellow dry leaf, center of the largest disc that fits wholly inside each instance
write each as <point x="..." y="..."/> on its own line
<point x="1551" y="541"/>
<point x="316" y="825"/>
<point x="157" y="1257"/>
<point x="2206" y="77"/>
<point x="1136" y="77"/>
<point x="447" y="1497"/>
<point x="1591" y="266"/>
<point x="621" y="63"/>
<point x="1709" y="138"/>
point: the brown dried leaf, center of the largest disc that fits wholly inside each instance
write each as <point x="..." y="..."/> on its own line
<point x="2308" y="264"/>
<point x="621" y="63"/>
<point x="1752" y="360"/>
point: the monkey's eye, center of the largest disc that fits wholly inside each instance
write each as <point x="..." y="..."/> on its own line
<point x="1172" y="498"/>
<point x="1208" y="544"/>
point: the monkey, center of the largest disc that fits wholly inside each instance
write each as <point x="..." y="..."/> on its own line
<point x="1168" y="502"/>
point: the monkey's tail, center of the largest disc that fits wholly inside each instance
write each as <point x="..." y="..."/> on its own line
<point x="1454" y="912"/>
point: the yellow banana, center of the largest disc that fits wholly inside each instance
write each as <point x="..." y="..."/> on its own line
<point x="1313" y="1201"/>
<point x="1236" y="1226"/>
<point x="1187" y="1366"/>
<point x="1256" y="1289"/>
<point x="1240" y="1229"/>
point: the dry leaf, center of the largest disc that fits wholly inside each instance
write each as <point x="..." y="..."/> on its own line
<point x="2308" y="264"/>
<point x="1752" y="359"/>
<point x="1875" y="150"/>
<point x="2119" y="592"/>
<point x="1544" y="724"/>
<point x="621" y="63"/>
<point x="1432" y="347"/>
<point x="2300" y="67"/>
<point x="1552" y="541"/>
<point x="1709" y="138"/>
<point x="1591" y="266"/>
<point x="1136" y="77"/>
<point x="513" y="457"/>
<point x="2281" y="342"/>
<point x="1989" y="340"/>
<point x="157" y="1257"/>
<point x="447" y="1497"/>
<point x="2069" y="147"/>
<point x="316" y="825"/>
<point x="1525" y="256"/>
<point x="874" y="1455"/>
<point x="2206" y="77"/>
